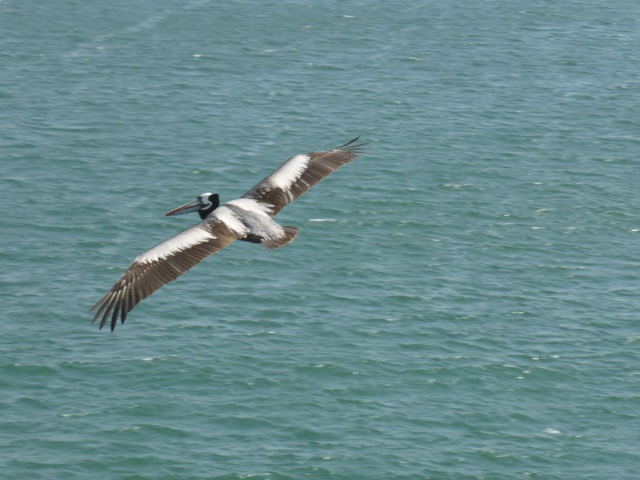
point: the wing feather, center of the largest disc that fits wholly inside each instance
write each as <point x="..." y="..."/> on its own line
<point x="168" y="260"/>
<point x="160" y="265"/>
<point x="298" y="174"/>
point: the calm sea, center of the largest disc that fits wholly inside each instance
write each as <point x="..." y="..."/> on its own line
<point x="461" y="302"/>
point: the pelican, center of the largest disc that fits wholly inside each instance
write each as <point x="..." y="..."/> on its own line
<point x="248" y="218"/>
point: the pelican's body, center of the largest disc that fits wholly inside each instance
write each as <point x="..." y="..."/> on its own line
<point x="249" y="218"/>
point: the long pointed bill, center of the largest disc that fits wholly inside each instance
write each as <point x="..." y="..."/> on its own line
<point x="186" y="208"/>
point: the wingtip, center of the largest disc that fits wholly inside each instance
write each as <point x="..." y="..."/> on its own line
<point x="353" y="148"/>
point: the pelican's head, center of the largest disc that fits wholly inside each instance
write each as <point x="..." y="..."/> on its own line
<point x="204" y="205"/>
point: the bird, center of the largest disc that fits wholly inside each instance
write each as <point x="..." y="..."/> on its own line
<point x="248" y="218"/>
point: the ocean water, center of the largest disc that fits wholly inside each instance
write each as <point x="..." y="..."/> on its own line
<point x="461" y="302"/>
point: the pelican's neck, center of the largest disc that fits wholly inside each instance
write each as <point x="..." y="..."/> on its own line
<point x="214" y="203"/>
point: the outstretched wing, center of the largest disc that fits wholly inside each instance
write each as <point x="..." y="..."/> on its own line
<point x="299" y="174"/>
<point x="160" y="265"/>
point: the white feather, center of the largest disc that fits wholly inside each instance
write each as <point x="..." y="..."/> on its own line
<point x="228" y="217"/>
<point x="288" y="173"/>
<point x="251" y="205"/>
<point x="183" y="240"/>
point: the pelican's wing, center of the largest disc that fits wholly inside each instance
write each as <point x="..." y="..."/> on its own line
<point x="299" y="174"/>
<point x="160" y="265"/>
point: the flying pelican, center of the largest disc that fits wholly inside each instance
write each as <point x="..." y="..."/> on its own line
<point x="247" y="218"/>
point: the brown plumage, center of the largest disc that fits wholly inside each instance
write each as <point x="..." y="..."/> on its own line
<point x="320" y="165"/>
<point x="247" y="218"/>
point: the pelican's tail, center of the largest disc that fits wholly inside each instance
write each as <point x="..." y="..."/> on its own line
<point x="289" y="234"/>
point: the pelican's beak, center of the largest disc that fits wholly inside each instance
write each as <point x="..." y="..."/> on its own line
<point x="186" y="208"/>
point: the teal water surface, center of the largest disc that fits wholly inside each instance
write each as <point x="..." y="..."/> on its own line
<point x="461" y="302"/>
